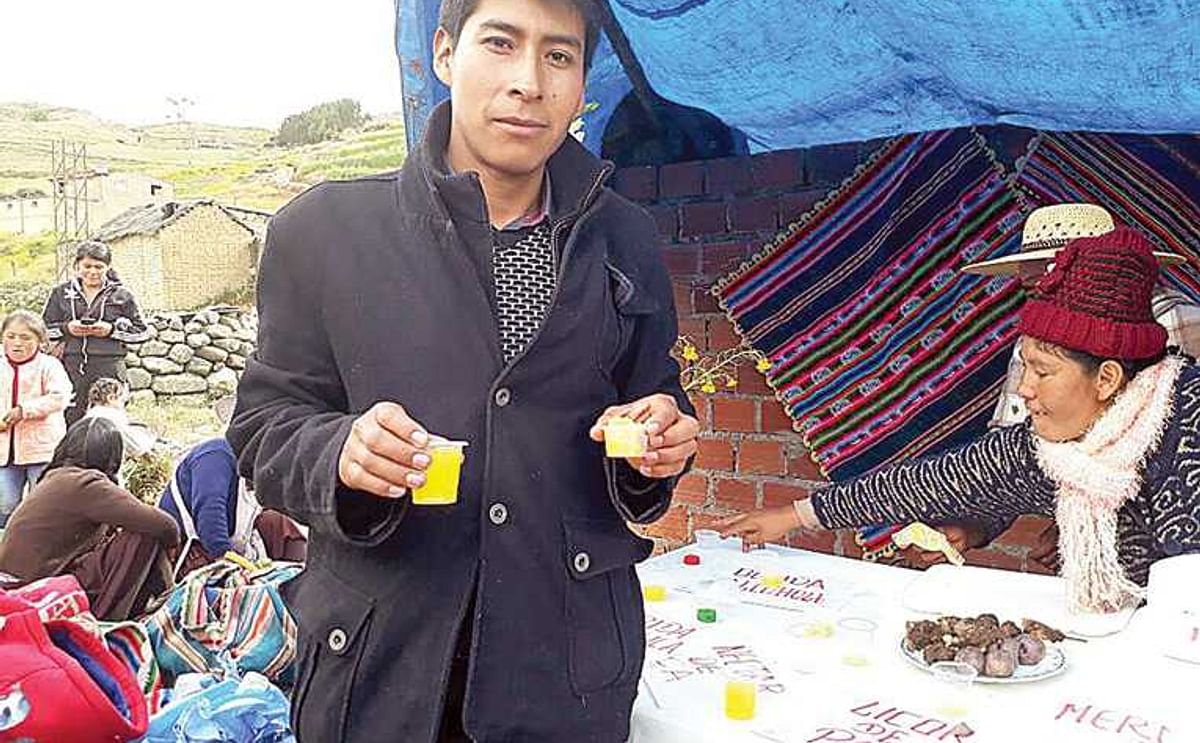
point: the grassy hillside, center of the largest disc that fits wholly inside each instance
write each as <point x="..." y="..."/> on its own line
<point x="235" y="165"/>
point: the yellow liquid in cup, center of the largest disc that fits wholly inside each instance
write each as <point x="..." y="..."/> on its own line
<point x="654" y="593"/>
<point x="441" y="478"/>
<point x="624" y="438"/>
<point x="740" y="697"/>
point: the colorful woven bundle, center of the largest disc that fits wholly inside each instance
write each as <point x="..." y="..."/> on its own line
<point x="1148" y="182"/>
<point x="880" y="349"/>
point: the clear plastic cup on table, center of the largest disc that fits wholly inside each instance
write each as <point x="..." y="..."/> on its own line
<point x="956" y="688"/>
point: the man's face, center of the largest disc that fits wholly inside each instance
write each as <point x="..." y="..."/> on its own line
<point x="516" y="83"/>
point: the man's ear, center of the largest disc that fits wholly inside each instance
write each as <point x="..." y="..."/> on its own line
<point x="582" y="103"/>
<point x="443" y="52"/>
<point x="1110" y="378"/>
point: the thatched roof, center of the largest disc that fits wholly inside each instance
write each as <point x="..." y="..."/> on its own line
<point x="148" y="219"/>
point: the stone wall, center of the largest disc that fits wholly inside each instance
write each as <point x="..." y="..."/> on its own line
<point x="193" y="357"/>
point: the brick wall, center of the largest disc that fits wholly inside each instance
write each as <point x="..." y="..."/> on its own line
<point x="712" y="216"/>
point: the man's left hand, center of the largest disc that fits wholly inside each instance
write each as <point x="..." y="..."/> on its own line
<point x="671" y="434"/>
<point x="101" y="329"/>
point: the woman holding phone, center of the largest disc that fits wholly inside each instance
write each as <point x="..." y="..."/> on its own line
<point x="92" y="316"/>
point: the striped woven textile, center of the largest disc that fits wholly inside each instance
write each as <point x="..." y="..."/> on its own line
<point x="1148" y="182"/>
<point x="880" y="349"/>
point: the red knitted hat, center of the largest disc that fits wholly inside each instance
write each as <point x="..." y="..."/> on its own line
<point x="1097" y="299"/>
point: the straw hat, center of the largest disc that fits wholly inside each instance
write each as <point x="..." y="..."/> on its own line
<point x="1048" y="229"/>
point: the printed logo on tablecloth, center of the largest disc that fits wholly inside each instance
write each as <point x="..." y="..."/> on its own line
<point x="1095" y="722"/>
<point x="879" y="722"/>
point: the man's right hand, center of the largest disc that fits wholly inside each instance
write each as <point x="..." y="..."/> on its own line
<point x="385" y="452"/>
<point x="78" y="329"/>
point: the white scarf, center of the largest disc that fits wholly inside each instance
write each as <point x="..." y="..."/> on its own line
<point x="1096" y="475"/>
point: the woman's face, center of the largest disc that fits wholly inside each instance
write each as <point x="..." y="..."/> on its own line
<point x="20" y="342"/>
<point x="1063" y="397"/>
<point x="91" y="272"/>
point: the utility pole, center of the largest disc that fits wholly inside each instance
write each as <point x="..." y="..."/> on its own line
<point x="69" y="183"/>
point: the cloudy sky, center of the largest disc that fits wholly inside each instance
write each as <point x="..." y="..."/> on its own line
<point x="242" y="61"/>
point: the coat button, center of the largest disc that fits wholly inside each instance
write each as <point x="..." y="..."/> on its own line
<point x="498" y="513"/>
<point x="337" y="640"/>
<point x="583" y="561"/>
<point x="503" y="397"/>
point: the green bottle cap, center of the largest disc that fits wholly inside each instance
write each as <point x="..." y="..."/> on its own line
<point x="708" y="616"/>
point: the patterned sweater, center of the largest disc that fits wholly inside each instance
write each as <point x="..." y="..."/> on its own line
<point x="997" y="477"/>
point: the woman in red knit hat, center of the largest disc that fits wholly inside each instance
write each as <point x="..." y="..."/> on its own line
<point x="1110" y="448"/>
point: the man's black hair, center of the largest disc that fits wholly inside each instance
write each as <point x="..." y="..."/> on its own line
<point x="454" y="14"/>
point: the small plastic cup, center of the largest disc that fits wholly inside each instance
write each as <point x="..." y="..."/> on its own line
<point x="957" y="680"/>
<point x="857" y="635"/>
<point x="442" y="476"/>
<point x="624" y="438"/>
<point x="707" y="539"/>
<point x="654" y="592"/>
<point x="740" y="699"/>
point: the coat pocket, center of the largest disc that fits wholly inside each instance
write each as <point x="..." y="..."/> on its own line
<point x="627" y="304"/>
<point x="333" y="622"/>
<point x="605" y="623"/>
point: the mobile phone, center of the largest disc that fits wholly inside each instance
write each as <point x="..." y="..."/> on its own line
<point x="87" y="321"/>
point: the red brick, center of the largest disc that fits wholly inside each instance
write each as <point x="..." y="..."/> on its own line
<point x="760" y="458"/>
<point x="774" y="419"/>
<point x="681" y="179"/>
<point x="683" y="297"/>
<point x="793" y="206"/>
<point x="801" y="464"/>
<point x="667" y="220"/>
<point x="700" y="220"/>
<point x="702" y="404"/>
<point x="1027" y="531"/>
<point x="847" y="545"/>
<point x="673" y="524"/>
<point x="818" y="541"/>
<point x="781" y="494"/>
<point x="727" y="175"/>
<point x="734" y="414"/>
<point x="639" y="183"/>
<point x="703" y="301"/>
<point x="736" y="494"/>
<point x="682" y="259"/>
<point x="695" y="328"/>
<point x="721" y="258"/>
<point x="721" y="335"/>
<point x="778" y="169"/>
<point x="993" y="558"/>
<point x="752" y="382"/>
<point x="692" y="489"/>
<point x="752" y="214"/>
<point x="715" y="454"/>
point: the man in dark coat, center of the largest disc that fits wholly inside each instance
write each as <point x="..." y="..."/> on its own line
<point x="494" y="291"/>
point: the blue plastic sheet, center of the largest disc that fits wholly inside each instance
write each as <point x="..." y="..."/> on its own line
<point x="795" y="73"/>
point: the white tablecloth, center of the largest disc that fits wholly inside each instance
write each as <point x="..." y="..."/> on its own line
<point x="824" y="675"/>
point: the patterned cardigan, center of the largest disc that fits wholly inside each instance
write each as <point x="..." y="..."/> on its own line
<point x="997" y="478"/>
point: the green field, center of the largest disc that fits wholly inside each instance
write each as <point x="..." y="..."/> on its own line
<point x="234" y="165"/>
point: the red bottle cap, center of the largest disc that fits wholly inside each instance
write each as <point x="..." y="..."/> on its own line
<point x="691" y="559"/>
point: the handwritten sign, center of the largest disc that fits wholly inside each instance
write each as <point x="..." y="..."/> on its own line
<point x="1112" y="724"/>
<point x="789" y="592"/>
<point x="877" y="722"/>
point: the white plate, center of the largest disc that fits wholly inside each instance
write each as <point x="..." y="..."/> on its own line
<point x="970" y="591"/>
<point x="1052" y="665"/>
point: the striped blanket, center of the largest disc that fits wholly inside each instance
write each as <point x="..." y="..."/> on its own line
<point x="1150" y="182"/>
<point x="880" y="350"/>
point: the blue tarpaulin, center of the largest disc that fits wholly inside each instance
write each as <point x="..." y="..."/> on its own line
<point x="793" y="73"/>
